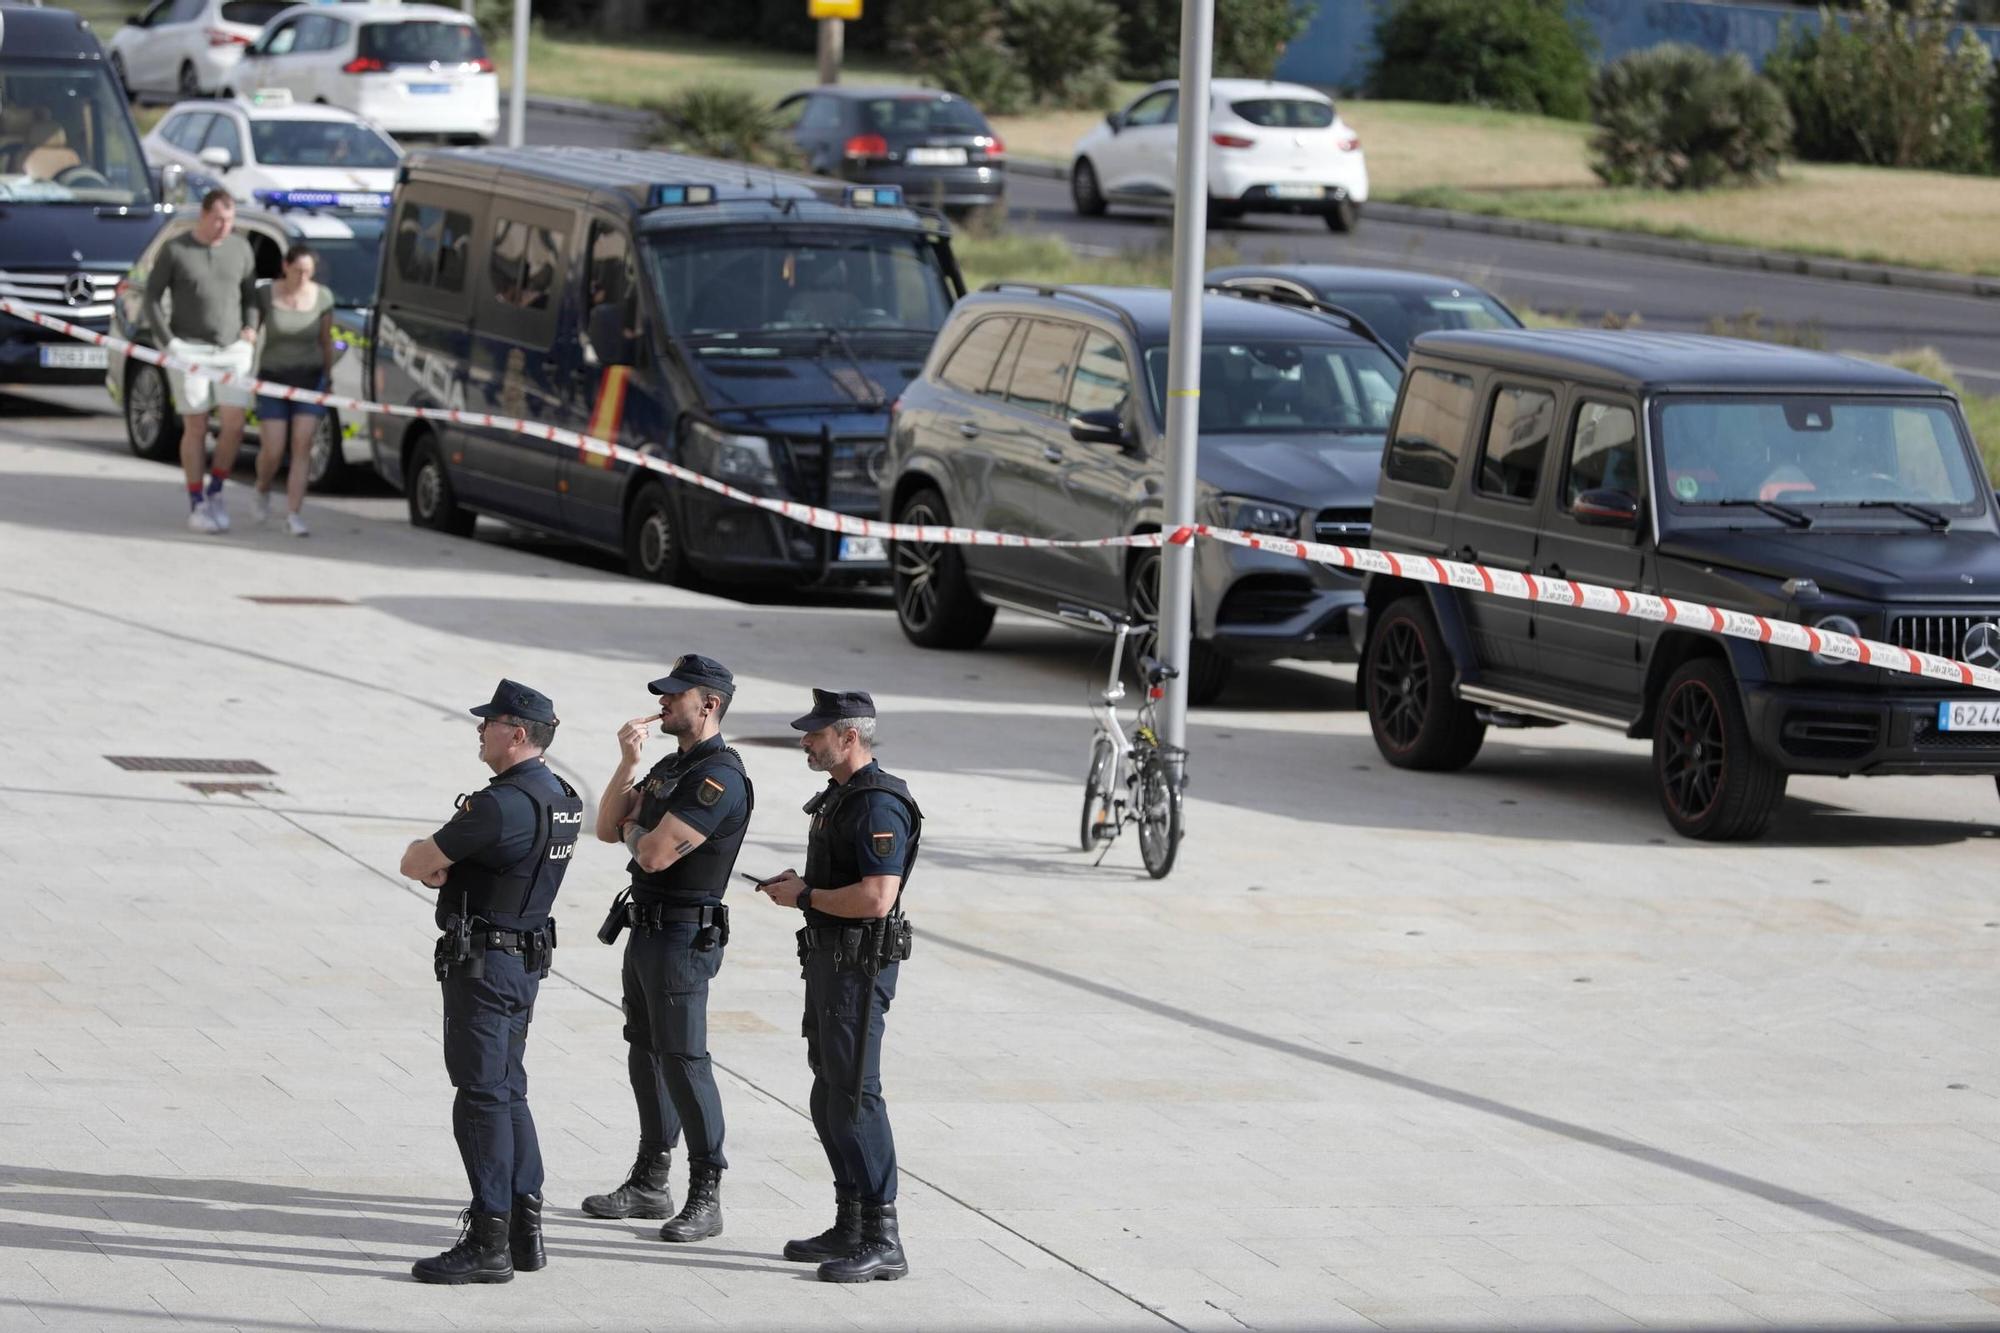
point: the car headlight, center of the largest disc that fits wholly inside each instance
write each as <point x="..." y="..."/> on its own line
<point x="741" y="460"/>
<point x="1836" y="625"/>
<point x="1248" y="515"/>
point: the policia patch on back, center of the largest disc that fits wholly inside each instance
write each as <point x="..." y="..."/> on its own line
<point x="882" y="844"/>
<point x="708" y="793"/>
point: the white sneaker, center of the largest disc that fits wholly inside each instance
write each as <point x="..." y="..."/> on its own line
<point x="218" y="511"/>
<point x="199" y="520"/>
<point x="297" y="526"/>
<point x="262" y="506"/>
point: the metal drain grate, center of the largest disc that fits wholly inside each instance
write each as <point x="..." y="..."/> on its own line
<point x="297" y="601"/>
<point x="152" y="763"/>
<point x="233" y="788"/>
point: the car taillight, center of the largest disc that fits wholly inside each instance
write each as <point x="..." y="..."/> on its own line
<point x="482" y="66"/>
<point x="363" y="65"/>
<point x="866" y="145"/>
<point x="994" y="148"/>
<point x="1347" y="143"/>
<point x="217" y="37"/>
<point x="1232" y="141"/>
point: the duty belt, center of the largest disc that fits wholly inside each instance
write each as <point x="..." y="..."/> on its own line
<point x="712" y="920"/>
<point x="869" y="945"/>
<point x="461" y="950"/>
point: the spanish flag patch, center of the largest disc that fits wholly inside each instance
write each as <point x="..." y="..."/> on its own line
<point x="883" y="843"/>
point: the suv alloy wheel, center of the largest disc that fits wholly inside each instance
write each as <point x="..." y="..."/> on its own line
<point x="1712" y="783"/>
<point x="935" y="603"/>
<point x="1417" y="720"/>
<point x="151" y="426"/>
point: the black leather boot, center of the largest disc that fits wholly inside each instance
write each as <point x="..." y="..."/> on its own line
<point x="524" y="1234"/>
<point x="480" y="1255"/>
<point x="880" y="1254"/>
<point x="702" y="1217"/>
<point x="644" y="1193"/>
<point x="837" y="1241"/>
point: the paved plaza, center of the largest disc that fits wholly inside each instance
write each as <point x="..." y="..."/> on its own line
<point x="1473" y="1051"/>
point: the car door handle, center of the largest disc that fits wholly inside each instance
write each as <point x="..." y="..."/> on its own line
<point x="1052" y="454"/>
<point x="970" y="430"/>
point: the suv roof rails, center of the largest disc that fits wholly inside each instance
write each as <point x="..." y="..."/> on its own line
<point x="1045" y="289"/>
<point x="1279" y="296"/>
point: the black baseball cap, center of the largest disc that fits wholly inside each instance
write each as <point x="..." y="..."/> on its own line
<point x="831" y="706"/>
<point x="513" y="699"/>
<point x="695" y="672"/>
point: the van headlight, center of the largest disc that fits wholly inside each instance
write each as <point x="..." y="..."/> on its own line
<point x="1847" y="625"/>
<point x="1249" y="515"/>
<point x="741" y="460"/>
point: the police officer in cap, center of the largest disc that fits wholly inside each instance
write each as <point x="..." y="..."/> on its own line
<point x="683" y="823"/>
<point x="497" y="867"/>
<point x="862" y="846"/>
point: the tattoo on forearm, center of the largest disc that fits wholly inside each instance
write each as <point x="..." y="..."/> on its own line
<point x="683" y="847"/>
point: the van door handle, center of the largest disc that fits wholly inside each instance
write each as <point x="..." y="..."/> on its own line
<point x="1555" y="571"/>
<point x="1466" y="555"/>
<point x="969" y="429"/>
<point x="1052" y="454"/>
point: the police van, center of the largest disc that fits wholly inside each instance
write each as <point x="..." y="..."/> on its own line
<point x="748" y="324"/>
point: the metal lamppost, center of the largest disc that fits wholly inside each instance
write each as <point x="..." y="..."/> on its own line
<point x="517" y="96"/>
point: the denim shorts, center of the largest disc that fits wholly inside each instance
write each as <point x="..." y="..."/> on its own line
<point x="282" y="409"/>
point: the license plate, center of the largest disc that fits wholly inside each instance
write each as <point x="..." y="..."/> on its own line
<point x="74" y="358"/>
<point x="1969" y="716"/>
<point x="1298" y="192"/>
<point x="862" y="548"/>
<point x="430" y="87"/>
<point x="935" y="157"/>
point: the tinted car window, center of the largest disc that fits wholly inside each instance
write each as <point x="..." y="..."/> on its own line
<point x="320" y="143"/>
<point x="1288" y="387"/>
<point x="185" y="11"/>
<point x="256" y="13"/>
<point x="430" y="246"/>
<point x="922" y="115"/>
<point x="525" y="264"/>
<point x="1153" y="109"/>
<point x="1290" y="113"/>
<point x="1103" y="381"/>
<point x="1399" y="318"/>
<point x="1430" y="430"/>
<point x="187" y="131"/>
<point x="1603" y="452"/>
<point x="970" y="366"/>
<point x="280" y="40"/>
<point x="765" y="282"/>
<point x="822" y="113"/>
<point x="347" y="265"/>
<point x="316" y="34"/>
<point x="421" y="42"/>
<point x="1041" y="371"/>
<point x="1517" y="440"/>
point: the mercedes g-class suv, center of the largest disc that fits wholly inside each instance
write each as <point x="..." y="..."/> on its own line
<point x="1789" y="484"/>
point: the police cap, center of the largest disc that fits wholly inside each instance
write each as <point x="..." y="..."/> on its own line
<point x="513" y="699"/>
<point x="695" y="672"/>
<point x="831" y="706"/>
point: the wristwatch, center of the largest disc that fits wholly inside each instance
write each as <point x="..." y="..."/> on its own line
<point x="805" y="899"/>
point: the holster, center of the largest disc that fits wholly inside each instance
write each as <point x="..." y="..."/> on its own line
<point x="614" y="920"/>
<point x="454" y="954"/>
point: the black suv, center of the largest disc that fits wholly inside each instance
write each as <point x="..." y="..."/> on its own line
<point x="1026" y="420"/>
<point x="1788" y="484"/>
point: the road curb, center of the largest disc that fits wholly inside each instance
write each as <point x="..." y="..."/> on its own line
<point x="572" y="106"/>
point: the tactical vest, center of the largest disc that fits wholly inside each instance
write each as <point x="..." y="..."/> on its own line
<point x="700" y="877"/>
<point x="519" y="897"/>
<point x="830" y="859"/>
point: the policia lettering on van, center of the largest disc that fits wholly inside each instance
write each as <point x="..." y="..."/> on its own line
<point x="751" y="325"/>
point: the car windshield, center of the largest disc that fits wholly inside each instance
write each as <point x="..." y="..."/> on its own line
<point x="1807" y="452"/>
<point x="65" y="138"/>
<point x="1398" y="317"/>
<point x="1285" y="113"/>
<point x="922" y="115"/>
<point x="321" y="143"/>
<point x="420" y="42"/>
<point x="347" y="264"/>
<point x="1287" y="386"/>
<point x="734" y="285"/>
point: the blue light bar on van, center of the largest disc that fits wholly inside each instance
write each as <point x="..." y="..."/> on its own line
<point x="673" y="196"/>
<point x="373" y="201"/>
<point x="873" y="196"/>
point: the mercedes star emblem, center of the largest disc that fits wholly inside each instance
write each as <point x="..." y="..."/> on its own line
<point x="78" y="289"/>
<point x="1982" y="645"/>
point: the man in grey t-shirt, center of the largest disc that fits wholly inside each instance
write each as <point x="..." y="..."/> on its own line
<point x="211" y="277"/>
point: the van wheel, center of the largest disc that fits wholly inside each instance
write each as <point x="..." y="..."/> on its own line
<point x="653" y="548"/>
<point x="432" y="503"/>
<point x="1713" y="783"/>
<point x="327" y="469"/>
<point x="152" y="427"/>
<point x="935" y="602"/>
<point x="1084" y="191"/>
<point x="1417" y="720"/>
<point x="1208" y="671"/>
<point x="1344" y="216"/>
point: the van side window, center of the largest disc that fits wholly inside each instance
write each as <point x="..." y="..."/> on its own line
<point x="1603" y="452"/>
<point x="1430" y="430"/>
<point x="430" y="246"/>
<point x="970" y="366"/>
<point x="611" y="319"/>
<point x="526" y="262"/>
<point x="1041" y="372"/>
<point x="1517" y="440"/>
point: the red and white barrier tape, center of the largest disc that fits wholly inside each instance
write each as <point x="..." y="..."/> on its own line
<point x="1420" y="568"/>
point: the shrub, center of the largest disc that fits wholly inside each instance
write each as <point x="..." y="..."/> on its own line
<point x="1517" y="55"/>
<point x="723" y="122"/>
<point x="1250" y="36"/>
<point x="1674" y="117"/>
<point x="959" y="45"/>
<point x="1889" y="89"/>
<point x="1067" y="49"/>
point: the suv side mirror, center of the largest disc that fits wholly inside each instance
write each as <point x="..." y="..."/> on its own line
<point x="217" y="157"/>
<point x="1607" y="509"/>
<point x="1115" y="119"/>
<point x="1103" y="426"/>
<point x="173" y="183"/>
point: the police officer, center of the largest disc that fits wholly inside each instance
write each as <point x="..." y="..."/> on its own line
<point x="683" y="823"/>
<point x="862" y="846"/>
<point x="497" y="867"/>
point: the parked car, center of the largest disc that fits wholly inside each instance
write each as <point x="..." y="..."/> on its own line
<point x="1795" y="485"/>
<point x="267" y="143"/>
<point x="347" y="245"/>
<point x="186" y="48"/>
<point x="935" y="145"/>
<point x="77" y="201"/>
<point x="412" y="69"/>
<point x="751" y="325"/>
<point x="1041" y="411"/>
<point x="1272" y="148"/>
<point x="1397" y="303"/>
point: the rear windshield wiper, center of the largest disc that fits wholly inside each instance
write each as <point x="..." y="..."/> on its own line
<point x="1922" y="513"/>
<point x="1797" y="518"/>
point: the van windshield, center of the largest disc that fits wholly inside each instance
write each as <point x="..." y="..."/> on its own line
<point x="738" y="285"/>
<point x="65" y="138"/>
<point x="1288" y="387"/>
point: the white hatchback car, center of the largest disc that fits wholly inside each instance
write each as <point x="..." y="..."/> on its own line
<point x="1273" y="148"/>
<point x="186" y="48"/>
<point x="267" y="143"/>
<point x="411" y="69"/>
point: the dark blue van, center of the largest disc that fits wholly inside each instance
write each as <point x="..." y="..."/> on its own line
<point x="77" y="201"/>
<point x="751" y="325"/>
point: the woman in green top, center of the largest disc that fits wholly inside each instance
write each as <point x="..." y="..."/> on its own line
<point x="296" y="350"/>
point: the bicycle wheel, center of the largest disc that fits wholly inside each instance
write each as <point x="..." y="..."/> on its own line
<point x="1159" y="815"/>
<point x="1097" y="784"/>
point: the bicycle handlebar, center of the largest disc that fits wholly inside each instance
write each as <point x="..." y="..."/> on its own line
<point x="1071" y="611"/>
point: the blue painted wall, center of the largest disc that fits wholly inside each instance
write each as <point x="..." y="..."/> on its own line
<point x="1335" y="50"/>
